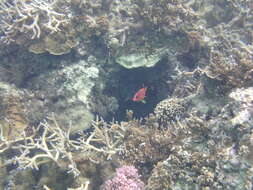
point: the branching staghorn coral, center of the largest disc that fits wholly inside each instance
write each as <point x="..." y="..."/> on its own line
<point x="50" y="142"/>
<point x="30" y="18"/>
<point x="53" y="144"/>
<point x="108" y="136"/>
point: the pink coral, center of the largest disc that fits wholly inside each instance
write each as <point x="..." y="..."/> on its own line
<point x="126" y="178"/>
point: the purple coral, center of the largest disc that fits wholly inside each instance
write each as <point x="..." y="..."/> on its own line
<point x="126" y="178"/>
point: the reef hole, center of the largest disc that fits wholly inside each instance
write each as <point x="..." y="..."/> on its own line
<point x="131" y="81"/>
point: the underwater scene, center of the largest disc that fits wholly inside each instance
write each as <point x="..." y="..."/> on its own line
<point x="126" y="94"/>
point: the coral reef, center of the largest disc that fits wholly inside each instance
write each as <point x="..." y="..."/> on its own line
<point x="55" y="145"/>
<point x="229" y="68"/>
<point x="168" y="15"/>
<point x="208" y="156"/>
<point x="154" y="144"/>
<point x="200" y="151"/>
<point x="193" y="56"/>
<point x="69" y="88"/>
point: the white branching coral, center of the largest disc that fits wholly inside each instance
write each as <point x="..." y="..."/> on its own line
<point x="29" y="17"/>
<point x="49" y="142"/>
<point x="53" y="144"/>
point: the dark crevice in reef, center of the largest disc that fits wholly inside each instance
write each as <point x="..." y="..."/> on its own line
<point x="130" y="81"/>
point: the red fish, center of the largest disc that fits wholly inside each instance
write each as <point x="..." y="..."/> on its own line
<point x="140" y="95"/>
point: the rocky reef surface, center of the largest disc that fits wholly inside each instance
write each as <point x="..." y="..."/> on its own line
<point x="69" y="70"/>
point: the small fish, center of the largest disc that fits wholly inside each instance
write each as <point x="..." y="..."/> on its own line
<point x="140" y="95"/>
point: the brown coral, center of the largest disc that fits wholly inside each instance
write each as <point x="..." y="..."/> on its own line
<point x="169" y="15"/>
<point x="13" y="122"/>
<point x="235" y="70"/>
<point x="145" y="146"/>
